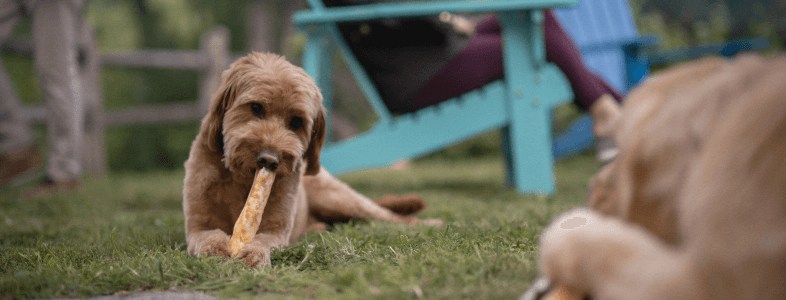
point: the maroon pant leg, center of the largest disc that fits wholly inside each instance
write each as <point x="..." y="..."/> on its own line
<point x="481" y="63"/>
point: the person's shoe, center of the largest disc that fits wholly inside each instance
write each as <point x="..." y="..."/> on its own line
<point x="50" y="187"/>
<point x="18" y="162"/>
<point x="605" y="112"/>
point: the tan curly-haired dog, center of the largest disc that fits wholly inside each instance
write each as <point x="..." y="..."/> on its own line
<point x="268" y="113"/>
<point x="694" y="205"/>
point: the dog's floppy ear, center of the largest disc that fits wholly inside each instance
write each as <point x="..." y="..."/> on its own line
<point x="211" y="124"/>
<point x="315" y="145"/>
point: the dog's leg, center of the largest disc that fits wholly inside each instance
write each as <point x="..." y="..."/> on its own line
<point x="609" y="259"/>
<point x="206" y="234"/>
<point x="313" y="224"/>
<point x="331" y="200"/>
<point x="402" y="205"/>
<point x="257" y="252"/>
<point x="208" y="242"/>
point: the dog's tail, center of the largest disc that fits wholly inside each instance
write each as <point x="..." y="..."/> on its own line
<point x="402" y="205"/>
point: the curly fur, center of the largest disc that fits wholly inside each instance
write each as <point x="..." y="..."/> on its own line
<point x="224" y="156"/>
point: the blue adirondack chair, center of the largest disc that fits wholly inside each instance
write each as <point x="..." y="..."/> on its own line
<point x="601" y="29"/>
<point x="606" y="33"/>
<point x="520" y="104"/>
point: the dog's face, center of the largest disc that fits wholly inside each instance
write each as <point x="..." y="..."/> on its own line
<point x="660" y="132"/>
<point x="266" y="112"/>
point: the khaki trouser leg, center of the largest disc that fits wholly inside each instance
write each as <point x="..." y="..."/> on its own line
<point x="55" y="35"/>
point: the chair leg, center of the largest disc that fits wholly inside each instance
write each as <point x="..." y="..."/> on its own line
<point x="527" y="148"/>
<point x="528" y="133"/>
<point x="510" y="171"/>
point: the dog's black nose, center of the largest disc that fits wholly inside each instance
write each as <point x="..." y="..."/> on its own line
<point x="267" y="159"/>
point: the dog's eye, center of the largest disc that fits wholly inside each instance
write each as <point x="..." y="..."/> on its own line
<point x="295" y="123"/>
<point x="257" y="109"/>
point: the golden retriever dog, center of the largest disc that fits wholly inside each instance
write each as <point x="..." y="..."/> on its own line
<point x="268" y="113"/>
<point x="694" y="204"/>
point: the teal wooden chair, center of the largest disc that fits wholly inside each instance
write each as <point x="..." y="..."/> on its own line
<point x="520" y="104"/>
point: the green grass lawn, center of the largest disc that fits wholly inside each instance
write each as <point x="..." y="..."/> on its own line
<point x="124" y="234"/>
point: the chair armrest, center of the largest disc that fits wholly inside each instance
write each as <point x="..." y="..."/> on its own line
<point x="634" y="50"/>
<point x="417" y="9"/>
<point x="726" y="49"/>
<point x="644" y="41"/>
<point x="626" y="44"/>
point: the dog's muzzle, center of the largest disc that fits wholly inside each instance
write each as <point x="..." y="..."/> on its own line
<point x="268" y="160"/>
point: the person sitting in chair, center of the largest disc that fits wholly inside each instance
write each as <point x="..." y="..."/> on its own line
<point x="422" y="61"/>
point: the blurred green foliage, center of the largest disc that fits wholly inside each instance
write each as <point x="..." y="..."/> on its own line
<point x="155" y="24"/>
<point x="684" y="23"/>
<point x="123" y="25"/>
<point x="178" y="25"/>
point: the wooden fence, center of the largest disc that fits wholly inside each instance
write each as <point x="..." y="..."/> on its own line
<point x="212" y="57"/>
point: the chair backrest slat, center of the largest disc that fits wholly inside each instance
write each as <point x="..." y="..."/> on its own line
<point x="316" y="4"/>
<point x="600" y="28"/>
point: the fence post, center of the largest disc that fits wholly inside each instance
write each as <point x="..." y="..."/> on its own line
<point x="93" y="155"/>
<point x="215" y="46"/>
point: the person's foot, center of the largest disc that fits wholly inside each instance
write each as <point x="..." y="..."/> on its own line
<point x="50" y="187"/>
<point x="605" y="112"/>
<point x="18" y="162"/>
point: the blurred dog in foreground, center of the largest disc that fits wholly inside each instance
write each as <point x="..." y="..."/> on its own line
<point x="694" y="204"/>
<point x="268" y="113"/>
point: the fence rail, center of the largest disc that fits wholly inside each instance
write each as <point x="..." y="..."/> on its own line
<point x="212" y="57"/>
<point x="165" y="59"/>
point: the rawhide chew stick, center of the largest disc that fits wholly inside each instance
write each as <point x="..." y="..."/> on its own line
<point x="543" y="289"/>
<point x="248" y="222"/>
<point x="561" y="292"/>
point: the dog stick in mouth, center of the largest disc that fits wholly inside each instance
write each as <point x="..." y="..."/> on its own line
<point x="248" y="222"/>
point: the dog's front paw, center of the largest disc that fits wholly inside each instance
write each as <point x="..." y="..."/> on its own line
<point x="582" y="246"/>
<point x="561" y="243"/>
<point x="211" y="243"/>
<point x="254" y="255"/>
